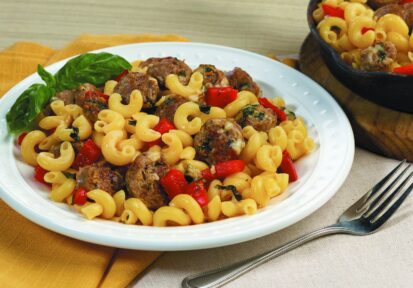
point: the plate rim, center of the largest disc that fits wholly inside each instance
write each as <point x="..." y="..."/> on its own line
<point x="125" y="243"/>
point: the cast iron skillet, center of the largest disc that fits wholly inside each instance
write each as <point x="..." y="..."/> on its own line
<point x="387" y="89"/>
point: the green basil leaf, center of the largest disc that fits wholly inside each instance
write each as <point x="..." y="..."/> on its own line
<point x="90" y="68"/>
<point x="46" y="76"/>
<point x="27" y="107"/>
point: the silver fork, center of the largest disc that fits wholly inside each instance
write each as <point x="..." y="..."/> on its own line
<point x="364" y="217"/>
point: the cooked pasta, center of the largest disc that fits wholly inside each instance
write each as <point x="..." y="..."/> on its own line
<point x="177" y="148"/>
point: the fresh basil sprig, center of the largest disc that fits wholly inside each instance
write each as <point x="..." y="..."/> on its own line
<point x="93" y="68"/>
<point x="90" y="68"/>
<point x="28" y="106"/>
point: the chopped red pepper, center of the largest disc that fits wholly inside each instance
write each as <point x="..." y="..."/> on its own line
<point x="21" y="137"/>
<point x="287" y="166"/>
<point x="80" y="196"/>
<point x="223" y="169"/>
<point x="366" y="29"/>
<point x="39" y="173"/>
<point x="220" y="96"/>
<point x="406" y="70"/>
<point x="164" y="126"/>
<point x="401" y="2"/>
<point x="207" y="175"/>
<point x="333" y="11"/>
<point x="267" y="104"/>
<point x="174" y="183"/>
<point x="198" y="191"/>
<point x="121" y="75"/>
<point x="89" y="154"/>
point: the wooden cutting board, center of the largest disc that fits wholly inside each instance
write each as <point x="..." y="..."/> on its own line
<point x="376" y="128"/>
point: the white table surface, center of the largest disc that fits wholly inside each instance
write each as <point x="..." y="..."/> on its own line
<point x="384" y="259"/>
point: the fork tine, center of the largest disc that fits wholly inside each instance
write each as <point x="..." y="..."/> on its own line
<point x="384" y="205"/>
<point x="382" y="219"/>
<point x="373" y="203"/>
<point x="383" y="181"/>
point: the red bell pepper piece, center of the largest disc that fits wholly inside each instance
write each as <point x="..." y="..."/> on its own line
<point x="267" y="104"/>
<point x="223" y="169"/>
<point x="287" y="166"/>
<point x="220" y="96"/>
<point x="21" y="137"/>
<point x="80" y="196"/>
<point x="406" y="70"/>
<point x="198" y="191"/>
<point x="121" y="75"/>
<point x="162" y="127"/>
<point x="333" y="11"/>
<point x="366" y="29"/>
<point x="208" y="175"/>
<point x="39" y="173"/>
<point x="401" y="2"/>
<point x="87" y="155"/>
<point x="174" y="183"/>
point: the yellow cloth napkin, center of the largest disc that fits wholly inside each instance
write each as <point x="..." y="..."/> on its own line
<point x="31" y="256"/>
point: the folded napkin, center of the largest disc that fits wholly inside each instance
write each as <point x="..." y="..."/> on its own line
<point x="31" y="256"/>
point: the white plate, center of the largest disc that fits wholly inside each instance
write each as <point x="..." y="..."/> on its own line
<point x="320" y="173"/>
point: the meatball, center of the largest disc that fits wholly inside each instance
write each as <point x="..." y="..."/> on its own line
<point x="219" y="140"/>
<point x="91" y="100"/>
<point x="168" y="108"/>
<point x="255" y="115"/>
<point x="405" y="11"/>
<point x="68" y="96"/>
<point x="146" y="85"/>
<point x="100" y="176"/>
<point x="159" y="68"/>
<point x="212" y="76"/>
<point x="380" y="3"/>
<point x="378" y="57"/>
<point x="142" y="181"/>
<point x="241" y="80"/>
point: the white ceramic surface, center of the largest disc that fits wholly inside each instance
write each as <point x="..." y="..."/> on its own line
<point x="320" y="174"/>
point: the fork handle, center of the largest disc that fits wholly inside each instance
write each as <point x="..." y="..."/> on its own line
<point x="221" y="276"/>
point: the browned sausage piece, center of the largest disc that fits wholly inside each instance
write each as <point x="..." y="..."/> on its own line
<point x="219" y="140"/>
<point x="241" y="80"/>
<point x="146" y="85"/>
<point x="255" y="115"/>
<point x="90" y="99"/>
<point x="68" y="96"/>
<point x="168" y="108"/>
<point x="100" y="176"/>
<point x="159" y="68"/>
<point x="378" y="57"/>
<point x="142" y="181"/>
<point x="212" y="76"/>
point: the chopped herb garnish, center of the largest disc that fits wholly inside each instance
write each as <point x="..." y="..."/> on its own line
<point x="290" y="114"/>
<point x="205" y="108"/>
<point x="132" y="122"/>
<point x="75" y="134"/>
<point x="245" y="86"/>
<point x="182" y="73"/>
<point x="232" y="188"/>
<point x="381" y="52"/>
<point x="207" y="69"/>
<point x="189" y="179"/>
<point x="69" y="175"/>
<point x="260" y="115"/>
<point x="230" y="142"/>
<point x="205" y="146"/>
